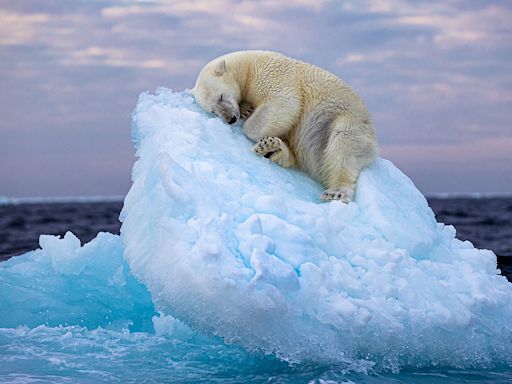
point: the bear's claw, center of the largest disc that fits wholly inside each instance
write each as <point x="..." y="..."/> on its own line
<point x="343" y="194"/>
<point x="246" y="110"/>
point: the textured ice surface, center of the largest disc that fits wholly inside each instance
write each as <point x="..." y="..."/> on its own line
<point x="237" y="247"/>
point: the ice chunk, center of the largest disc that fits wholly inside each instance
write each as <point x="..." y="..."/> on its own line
<point x="65" y="284"/>
<point x="64" y="253"/>
<point x="236" y="246"/>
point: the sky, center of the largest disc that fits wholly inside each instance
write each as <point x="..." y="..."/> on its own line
<point x="436" y="76"/>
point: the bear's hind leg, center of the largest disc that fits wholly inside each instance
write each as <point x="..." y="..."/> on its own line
<point x="351" y="147"/>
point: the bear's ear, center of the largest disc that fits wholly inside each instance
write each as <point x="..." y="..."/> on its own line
<point x="220" y="68"/>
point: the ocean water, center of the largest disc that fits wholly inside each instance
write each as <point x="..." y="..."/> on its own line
<point x="143" y="346"/>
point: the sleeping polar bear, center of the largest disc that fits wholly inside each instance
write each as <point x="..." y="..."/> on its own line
<point x="299" y="115"/>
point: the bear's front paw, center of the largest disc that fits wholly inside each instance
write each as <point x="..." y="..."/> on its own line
<point x="344" y="194"/>
<point x="267" y="146"/>
<point x="246" y="110"/>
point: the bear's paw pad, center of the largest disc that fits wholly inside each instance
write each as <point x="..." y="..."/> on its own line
<point x="267" y="146"/>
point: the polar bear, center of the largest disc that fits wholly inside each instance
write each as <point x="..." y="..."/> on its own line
<point x="299" y="115"/>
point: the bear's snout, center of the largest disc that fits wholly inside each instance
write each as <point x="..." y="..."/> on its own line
<point x="232" y="121"/>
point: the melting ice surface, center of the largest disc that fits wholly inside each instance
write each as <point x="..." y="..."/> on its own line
<point x="229" y="268"/>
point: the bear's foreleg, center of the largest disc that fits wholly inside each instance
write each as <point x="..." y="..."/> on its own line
<point x="271" y="119"/>
<point x="246" y="110"/>
<point x="276" y="150"/>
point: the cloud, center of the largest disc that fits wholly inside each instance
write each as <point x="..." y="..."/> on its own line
<point x="115" y="57"/>
<point x="452" y="28"/>
<point x="374" y="57"/>
<point x="488" y="149"/>
<point x="18" y="29"/>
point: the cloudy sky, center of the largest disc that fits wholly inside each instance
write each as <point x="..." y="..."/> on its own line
<point x="436" y="75"/>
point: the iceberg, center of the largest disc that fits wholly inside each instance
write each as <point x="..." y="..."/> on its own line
<point x="217" y="242"/>
<point x="237" y="247"/>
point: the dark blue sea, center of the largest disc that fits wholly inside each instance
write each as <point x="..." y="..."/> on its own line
<point x="86" y="353"/>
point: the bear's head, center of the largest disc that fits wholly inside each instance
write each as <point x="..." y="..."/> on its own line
<point x="217" y="91"/>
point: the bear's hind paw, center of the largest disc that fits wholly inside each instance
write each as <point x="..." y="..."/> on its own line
<point x="343" y="194"/>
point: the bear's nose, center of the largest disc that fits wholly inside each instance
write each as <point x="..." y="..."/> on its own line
<point x="233" y="120"/>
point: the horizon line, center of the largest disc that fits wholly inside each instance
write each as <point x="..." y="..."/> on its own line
<point x="4" y="200"/>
